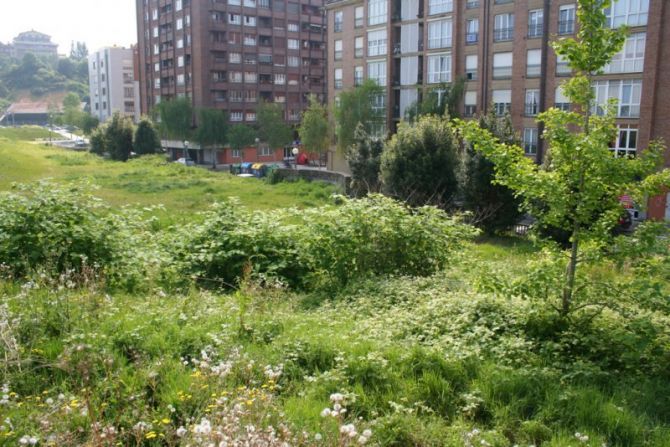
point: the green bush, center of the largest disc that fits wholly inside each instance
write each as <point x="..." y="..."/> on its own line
<point x="54" y="231"/>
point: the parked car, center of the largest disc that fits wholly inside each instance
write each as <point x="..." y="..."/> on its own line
<point x="185" y="161"/>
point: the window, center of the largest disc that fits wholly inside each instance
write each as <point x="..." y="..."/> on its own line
<point x="235" y="76"/>
<point x="293" y="61"/>
<point x="472" y="31"/>
<point x="440" y="6"/>
<point x="155" y="48"/>
<point x="533" y="63"/>
<point x="235" y="153"/>
<point x="377" y="11"/>
<point x="502" y="101"/>
<point x="250" y="77"/>
<point x="154" y="14"/>
<point x="178" y="5"/>
<point x="504" y="27"/>
<point x="535" y="23"/>
<point x="180" y="43"/>
<point x="502" y="65"/>
<point x="155" y="31"/>
<point x="471" y="61"/>
<point x="180" y="24"/>
<point x="358" y="75"/>
<point x="566" y="19"/>
<point x="293" y="44"/>
<point x="280" y="79"/>
<point x="236" y="116"/>
<point x="250" y="40"/>
<point x="377" y="72"/>
<point x="439" y="34"/>
<point x="377" y="43"/>
<point x="439" y="68"/>
<point x="561" y="101"/>
<point x="627" y="12"/>
<point x="627" y="92"/>
<point x="339" y="21"/>
<point x="180" y="61"/>
<point x="234" y="19"/>
<point x="181" y="80"/>
<point x="470" y="103"/>
<point x="250" y="117"/>
<point x="358" y="46"/>
<point x="235" y="58"/>
<point x="562" y="67"/>
<point x="293" y="27"/>
<point x="625" y="144"/>
<point x="359" y="19"/>
<point x="249" y="21"/>
<point x="266" y="151"/>
<point x="532" y="104"/>
<point x="338" y="78"/>
<point x="631" y="57"/>
<point x="338" y="49"/>
<point x="530" y="141"/>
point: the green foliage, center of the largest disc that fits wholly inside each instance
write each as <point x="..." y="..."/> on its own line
<point x="419" y="164"/>
<point x="119" y="137"/>
<point x="364" y="158"/>
<point x="41" y="76"/>
<point x="98" y="141"/>
<point x="241" y="136"/>
<point x="51" y="230"/>
<point x="442" y="100"/>
<point x="146" y="139"/>
<point x="88" y="124"/>
<point x="272" y="127"/>
<point x="314" y="128"/>
<point x="212" y="127"/>
<point x="176" y="118"/>
<point x="331" y="246"/>
<point x="72" y="112"/>
<point x="356" y="107"/>
<point x="578" y="187"/>
<point x="494" y="207"/>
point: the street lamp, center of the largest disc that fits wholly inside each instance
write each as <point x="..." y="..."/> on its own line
<point x="295" y="151"/>
<point x="187" y="157"/>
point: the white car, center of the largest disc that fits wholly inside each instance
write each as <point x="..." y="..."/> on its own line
<point x="185" y="161"/>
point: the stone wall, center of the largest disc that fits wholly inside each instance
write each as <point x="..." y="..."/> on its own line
<point x="336" y="178"/>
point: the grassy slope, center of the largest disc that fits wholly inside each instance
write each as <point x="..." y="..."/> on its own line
<point x="145" y="182"/>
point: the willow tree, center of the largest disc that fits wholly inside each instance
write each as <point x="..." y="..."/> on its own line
<point x="578" y="187"/>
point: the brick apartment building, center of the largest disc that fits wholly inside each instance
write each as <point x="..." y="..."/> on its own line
<point x="232" y="54"/>
<point x="501" y="48"/>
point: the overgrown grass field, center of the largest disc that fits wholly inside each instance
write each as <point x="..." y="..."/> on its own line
<point x="341" y="323"/>
<point x="148" y="181"/>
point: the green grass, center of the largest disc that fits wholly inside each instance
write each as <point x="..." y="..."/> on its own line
<point x="147" y="181"/>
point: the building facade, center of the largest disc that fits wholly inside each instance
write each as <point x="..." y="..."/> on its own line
<point x="232" y="54"/>
<point x="112" y="84"/>
<point x="501" y="48"/>
<point x="34" y="42"/>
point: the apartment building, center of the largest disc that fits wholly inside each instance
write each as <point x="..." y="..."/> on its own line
<point x="232" y="54"/>
<point x="33" y="42"/>
<point x="112" y="83"/>
<point x="501" y="48"/>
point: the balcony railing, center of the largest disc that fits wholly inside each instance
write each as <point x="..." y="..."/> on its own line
<point x="502" y="34"/>
<point x="470" y="4"/>
<point x="535" y="30"/>
<point x="471" y="38"/>
<point x="531" y="109"/>
<point x="566" y="26"/>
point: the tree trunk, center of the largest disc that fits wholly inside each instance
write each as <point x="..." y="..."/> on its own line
<point x="571" y="273"/>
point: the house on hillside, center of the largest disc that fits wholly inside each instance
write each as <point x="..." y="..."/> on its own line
<point x="27" y="112"/>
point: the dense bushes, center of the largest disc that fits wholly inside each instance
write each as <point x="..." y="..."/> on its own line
<point x="318" y="247"/>
<point x="51" y="230"/>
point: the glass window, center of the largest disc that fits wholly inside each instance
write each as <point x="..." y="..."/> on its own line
<point x="439" y="34"/>
<point x="377" y="11"/>
<point x="533" y="63"/>
<point x="377" y="43"/>
<point x="502" y="65"/>
<point x="439" y="68"/>
<point x="566" y="19"/>
<point x="631" y="57"/>
<point x="530" y="141"/>
<point x="377" y="72"/>
<point x="440" y="6"/>
<point x="627" y="12"/>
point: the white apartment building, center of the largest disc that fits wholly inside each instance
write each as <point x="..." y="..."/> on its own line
<point x="112" y="83"/>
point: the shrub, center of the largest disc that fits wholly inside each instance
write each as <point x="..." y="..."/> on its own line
<point x="57" y="230"/>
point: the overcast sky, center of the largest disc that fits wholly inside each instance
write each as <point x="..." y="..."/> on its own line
<point x="99" y="23"/>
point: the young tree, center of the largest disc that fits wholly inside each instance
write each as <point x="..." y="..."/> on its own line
<point x="578" y="188"/>
<point x="146" y="138"/>
<point x="419" y="163"/>
<point x="494" y="207"/>
<point x="356" y="107"/>
<point x="98" y="141"/>
<point x="212" y="130"/>
<point x="441" y="100"/>
<point x="72" y="113"/>
<point x="119" y="137"/>
<point x="364" y="157"/>
<point x="314" y="130"/>
<point x="176" y="118"/>
<point x="241" y="136"/>
<point x="89" y="124"/>
<point x="272" y="128"/>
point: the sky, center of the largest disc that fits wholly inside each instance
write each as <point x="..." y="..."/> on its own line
<point x="99" y="23"/>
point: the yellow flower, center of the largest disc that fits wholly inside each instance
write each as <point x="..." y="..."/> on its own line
<point x="150" y="435"/>
<point x="165" y="421"/>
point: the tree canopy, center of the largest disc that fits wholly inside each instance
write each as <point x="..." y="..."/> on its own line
<point x="357" y="106"/>
<point x="176" y="118"/>
<point x="272" y="127"/>
<point x="314" y="129"/>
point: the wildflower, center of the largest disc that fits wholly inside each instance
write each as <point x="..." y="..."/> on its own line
<point x="336" y="397"/>
<point x="49" y="401"/>
<point x="362" y="440"/>
<point x="326" y="412"/>
<point x="181" y="431"/>
<point x="150" y="435"/>
<point x="318" y="437"/>
<point x="367" y="433"/>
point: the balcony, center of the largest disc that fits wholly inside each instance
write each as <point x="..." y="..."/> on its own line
<point x="531" y="109"/>
<point x="471" y="4"/>
<point x="566" y="27"/>
<point x="535" y="30"/>
<point x="471" y="38"/>
<point x="503" y="34"/>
